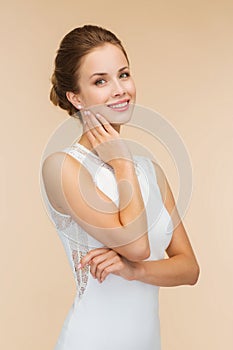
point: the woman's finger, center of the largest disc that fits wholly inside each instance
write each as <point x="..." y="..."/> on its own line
<point x="95" y="262"/>
<point x="87" y="130"/>
<point x="104" y="265"/>
<point x="99" y="262"/>
<point x="92" y="134"/>
<point x="96" y="126"/>
<point x="91" y="254"/>
<point x="91" y="124"/>
<point x="107" y="126"/>
<point x="109" y="269"/>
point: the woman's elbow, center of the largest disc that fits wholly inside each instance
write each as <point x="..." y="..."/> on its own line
<point x="136" y="251"/>
<point x="194" y="274"/>
<point x="139" y="254"/>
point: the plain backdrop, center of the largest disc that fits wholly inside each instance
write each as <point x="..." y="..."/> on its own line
<point x="181" y="54"/>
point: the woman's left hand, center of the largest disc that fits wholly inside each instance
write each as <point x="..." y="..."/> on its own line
<point x="104" y="261"/>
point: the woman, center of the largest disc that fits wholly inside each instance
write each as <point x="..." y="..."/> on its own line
<point x="114" y="234"/>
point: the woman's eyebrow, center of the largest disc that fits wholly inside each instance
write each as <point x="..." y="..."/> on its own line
<point x="121" y="69"/>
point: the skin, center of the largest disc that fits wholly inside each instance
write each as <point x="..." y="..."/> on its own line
<point x="117" y="85"/>
<point x="181" y="267"/>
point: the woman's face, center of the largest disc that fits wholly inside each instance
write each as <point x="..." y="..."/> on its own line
<point x="106" y="85"/>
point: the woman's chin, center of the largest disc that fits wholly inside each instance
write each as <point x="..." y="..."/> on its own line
<point x="114" y="116"/>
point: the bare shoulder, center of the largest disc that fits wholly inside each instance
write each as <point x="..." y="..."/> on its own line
<point x="72" y="190"/>
<point x="54" y="159"/>
<point x="52" y="177"/>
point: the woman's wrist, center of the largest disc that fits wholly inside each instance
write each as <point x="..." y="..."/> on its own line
<point x="121" y="164"/>
<point x="138" y="270"/>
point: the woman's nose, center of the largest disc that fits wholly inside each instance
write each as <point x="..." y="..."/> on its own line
<point x="118" y="89"/>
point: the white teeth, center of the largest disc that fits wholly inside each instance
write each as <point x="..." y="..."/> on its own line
<point x="120" y="105"/>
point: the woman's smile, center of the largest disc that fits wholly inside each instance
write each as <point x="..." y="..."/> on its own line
<point x="120" y="106"/>
<point x="106" y="84"/>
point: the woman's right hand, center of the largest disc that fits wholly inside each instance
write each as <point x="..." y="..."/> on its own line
<point x="105" y="140"/>
<point x="105" y="261"/>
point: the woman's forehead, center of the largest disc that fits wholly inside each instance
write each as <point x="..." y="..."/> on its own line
<point x="103" y="58"/>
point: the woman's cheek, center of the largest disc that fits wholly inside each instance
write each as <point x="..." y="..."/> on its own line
<point x="100" y="96"/>
<point x="132" y="88"/>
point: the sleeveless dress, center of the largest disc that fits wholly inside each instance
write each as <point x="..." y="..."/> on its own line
<point x="115" y="314"/>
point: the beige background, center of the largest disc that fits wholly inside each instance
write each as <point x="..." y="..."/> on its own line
<point x="181" y="56"/>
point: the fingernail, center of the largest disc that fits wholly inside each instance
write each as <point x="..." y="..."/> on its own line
<point x="79" y="266"/>
<point x="79" y="106"/>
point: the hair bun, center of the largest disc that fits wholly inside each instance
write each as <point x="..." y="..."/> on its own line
<point x="53" y="96"/>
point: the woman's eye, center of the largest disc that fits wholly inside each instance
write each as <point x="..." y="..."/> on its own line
<point x="125" y="75"/>
<point x="100" y="82"/>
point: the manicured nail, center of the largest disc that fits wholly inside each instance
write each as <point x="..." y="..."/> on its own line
<point x="79" y="266"/>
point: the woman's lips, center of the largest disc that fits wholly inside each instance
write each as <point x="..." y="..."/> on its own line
<point x="120" y="106"/>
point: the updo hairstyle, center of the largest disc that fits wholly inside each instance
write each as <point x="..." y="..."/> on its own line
<point x="73" y="47"/>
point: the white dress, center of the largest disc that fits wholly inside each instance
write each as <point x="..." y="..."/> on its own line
<point x="115" y="314"/>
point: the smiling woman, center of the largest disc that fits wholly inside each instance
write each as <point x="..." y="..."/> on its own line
<point x="101" y="196"/>
<point x="111" y="84"/>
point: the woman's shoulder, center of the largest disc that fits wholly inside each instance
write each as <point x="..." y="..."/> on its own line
<point x="55" y="156"/>
<point x="54" y="161"/>
<point x="52" y="168"/>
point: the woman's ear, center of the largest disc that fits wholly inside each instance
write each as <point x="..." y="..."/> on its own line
<point x="74" y="99"/>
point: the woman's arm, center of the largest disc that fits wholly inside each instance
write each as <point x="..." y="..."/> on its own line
<point x="175" y="271"/>
<point x="123" y="229"/>
<point x="181" y="268"/>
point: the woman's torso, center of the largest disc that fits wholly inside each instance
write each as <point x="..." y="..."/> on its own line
<point x="125" y="313"/>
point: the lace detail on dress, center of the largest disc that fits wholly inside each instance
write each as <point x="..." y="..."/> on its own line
<point x="78" y="242"/>
<point x="81" y="274"/>
<point x="77" y="149"/>
<point x="61" y="221"/>
<point x="76" y="237"/>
